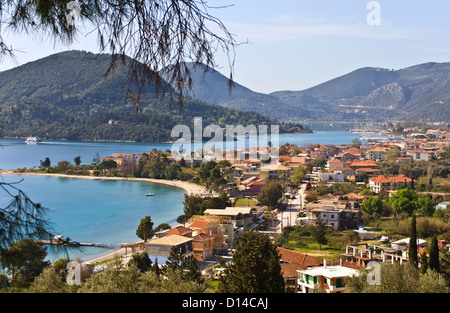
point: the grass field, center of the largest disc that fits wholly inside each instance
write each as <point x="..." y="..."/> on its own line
<point x="246" y="202"/>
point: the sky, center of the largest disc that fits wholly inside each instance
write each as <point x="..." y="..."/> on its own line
<point x="297" y="44"/>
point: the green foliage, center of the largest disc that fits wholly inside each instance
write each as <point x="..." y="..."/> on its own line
<point x="270" y="194"/>
<point x="298" y="174"/>
<point x="162" y="226"/>
<point x="175" y="260"/>
<point x="25" y="257"/>
<point x="255" y="267"/>
<point x="193" y="273"/>
<point x="398" y="278"/>
<point x="372" y="205"/>
<point x="412" y="250"/>
<point x="141" y="261"/>
<point x="320" y="233"/>
<point x="46" y="163"/>
<point x="434" y="255"/>
<point x="49" y="281"/>
<point x="145" y="229"/>
<point x="196" y="205"/>
<point x="403" y="201"/>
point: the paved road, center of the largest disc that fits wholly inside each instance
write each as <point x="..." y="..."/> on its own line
<point x="294" y="206"/>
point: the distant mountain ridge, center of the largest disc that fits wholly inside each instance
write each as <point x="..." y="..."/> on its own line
<point x="420" y="92"/>
<point x="66" y="96"/>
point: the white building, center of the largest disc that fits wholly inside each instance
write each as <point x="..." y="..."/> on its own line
<point x="330" y="278"/>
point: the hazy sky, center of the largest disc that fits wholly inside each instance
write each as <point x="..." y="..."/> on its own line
<point x="296" y="44"/>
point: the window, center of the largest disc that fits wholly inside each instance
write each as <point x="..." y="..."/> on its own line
<point x="325" y="281"/>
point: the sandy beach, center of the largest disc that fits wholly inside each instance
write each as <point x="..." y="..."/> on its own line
<point x="190" y="189"/>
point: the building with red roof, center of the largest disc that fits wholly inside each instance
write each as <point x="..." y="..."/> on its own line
<point x="381" y="182"/>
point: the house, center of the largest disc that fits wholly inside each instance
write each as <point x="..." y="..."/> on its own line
<point x="380" y="183"/>
<point x="290" y="262"/>
<point x="163" y="246"/>
<point x="335" y="163"/>
<point x="252" y="185"/>
<point x="420" y="154"/>
<point x="275" y="172"/>
<point x="215" y="240"/>
<point x="376" y="153"/>
<point x="255" y="186"/>
<point x="346" y="171"/>
<point x="331" y="176"/>
<point x="352" y="199"/>
<point x="357" y="164"/>
<point x="203" y="246"/>
<point x="336" y="216"/>
<point x="329" y="278"/>
<point x="232" y="222"/>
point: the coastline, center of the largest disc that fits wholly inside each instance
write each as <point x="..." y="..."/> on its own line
<point x="190" y="189"/>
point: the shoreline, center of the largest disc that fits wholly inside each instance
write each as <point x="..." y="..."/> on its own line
<point x="191" y="189"/>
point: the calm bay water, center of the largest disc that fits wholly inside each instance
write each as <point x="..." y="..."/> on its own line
<point x="106" y="211"/>
<point x="99" y="211"/>
<point x="15" y="153"/>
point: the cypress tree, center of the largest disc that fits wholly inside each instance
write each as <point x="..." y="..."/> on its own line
<point x="423" y="263"/>
<point x="412" y="251"/>
<point x="175" y="259"/>
<point x="156" y="268"/>
<point x="194" y="274"/>
<point x="434" y="255"/>
<point x="320" y="233"/>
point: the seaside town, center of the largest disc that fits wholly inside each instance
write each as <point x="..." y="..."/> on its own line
<point x="331" y="211"/>
<point x="224" y="156"/>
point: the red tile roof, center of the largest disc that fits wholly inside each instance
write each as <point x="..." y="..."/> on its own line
<point x="298" y="258"/>
<point x="201" y="237"/>
<point x="396" y="179"/>
<point x="179" y="230"/>
<point x="199" y="224"/>
<point x="290" y="269"/>
<point x="368" y="170"/>
<point x="342" y="169"/>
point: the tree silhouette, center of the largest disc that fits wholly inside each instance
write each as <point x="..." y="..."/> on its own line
<point x="157" y="35"/>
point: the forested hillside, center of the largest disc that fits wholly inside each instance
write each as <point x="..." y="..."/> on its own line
<point x="66" y="96"/>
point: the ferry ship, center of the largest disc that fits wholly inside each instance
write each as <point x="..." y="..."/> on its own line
<point x="32" y="140"/>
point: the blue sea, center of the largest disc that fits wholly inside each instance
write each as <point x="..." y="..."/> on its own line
<point x="106" y="211"/>
<point x="99" y="211"/>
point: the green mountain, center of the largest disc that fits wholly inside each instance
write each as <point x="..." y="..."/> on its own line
<point x="213" y="87"/>
<point x="66" y="96"/>
<point x="420" y="92"/>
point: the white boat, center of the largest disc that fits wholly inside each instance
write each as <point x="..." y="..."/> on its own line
<point x="149" y="194"/>
<point x="32" y="140"/>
